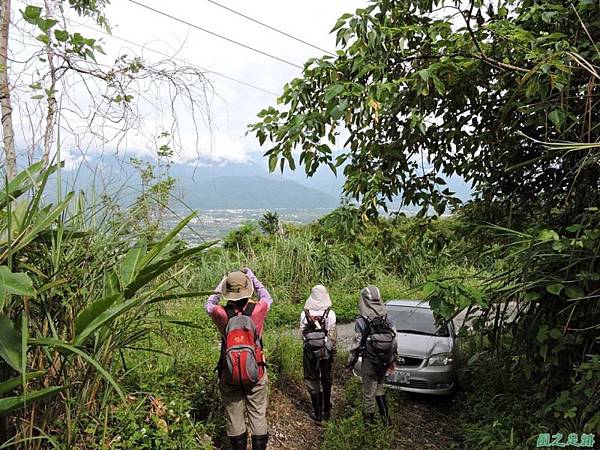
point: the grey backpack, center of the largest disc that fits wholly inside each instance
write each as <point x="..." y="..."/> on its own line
<point x="379" y="342"/>
<point x="316" y="336"/>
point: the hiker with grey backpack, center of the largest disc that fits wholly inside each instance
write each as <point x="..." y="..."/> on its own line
<point x="317" y="327"/>
<point x="374" y="342"/>
<point x="243" y="379"/>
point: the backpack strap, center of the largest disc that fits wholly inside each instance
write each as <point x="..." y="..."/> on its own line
<point x="309" y="319"/>
<point x="365" y="333"/>
<point x="230" y="310"/>
<point x="249" y="309"/>
<point x="323" y="320"/>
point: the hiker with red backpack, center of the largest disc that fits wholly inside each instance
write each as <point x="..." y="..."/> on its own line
<point x="243" y="379"/>
<point x="375" y="342"/>
<point x="317" y="326"/>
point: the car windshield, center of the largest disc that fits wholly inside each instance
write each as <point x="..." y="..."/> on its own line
<point x="408" y="319"/>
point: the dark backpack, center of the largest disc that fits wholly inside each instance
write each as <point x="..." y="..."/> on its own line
<point x="378" y="342"/>
<point x="315" y="335"/>
<point x="242" y="361"/>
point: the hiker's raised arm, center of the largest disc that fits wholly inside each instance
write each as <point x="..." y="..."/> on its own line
<point x="213" y="300"/>
<point x="261" y="290"/>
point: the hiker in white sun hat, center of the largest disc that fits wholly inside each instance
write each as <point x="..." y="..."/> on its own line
<point x="317" y="326"/>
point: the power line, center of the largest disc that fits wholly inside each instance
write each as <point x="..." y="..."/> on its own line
<point x="270" y="27"/>
<point x="166" y="55"/>
<point x="216" y="34"/>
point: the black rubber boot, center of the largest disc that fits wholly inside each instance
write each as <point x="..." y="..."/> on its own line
<point x="327" y="403"/>
<point x="369" y="418"/>
<point x="260" y="442"/>
<point x="317" y="403"/>
<point x="383" y="410"/>
<point x="239" y="442"/>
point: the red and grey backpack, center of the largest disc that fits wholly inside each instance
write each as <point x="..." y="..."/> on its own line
<point x="242" y="361"/>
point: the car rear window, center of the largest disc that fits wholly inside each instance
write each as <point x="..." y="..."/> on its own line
<point x="416" y="320"/>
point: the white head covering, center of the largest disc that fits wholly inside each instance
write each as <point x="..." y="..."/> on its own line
<point x="319" y="299"/>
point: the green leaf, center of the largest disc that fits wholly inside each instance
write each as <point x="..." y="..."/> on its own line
<point x="46" y="24"/>
<point x="157" y="248"/>
<point x="153" y="271"/>
<point x="555" y="288"/>
<point x="48" y="342"/>
<point x="10" y="344"/>
<point x="14" y="283"/>
<point x="32" y="14"/>
<point x="131" y="262"/>
<point x="273" y="158"/>
<point x="173" y="320"/>
<point x="61" y="35"/>
<point x="93" y="310"/>
<point x="333" y="91"/>
<point x="10" y="404"/>
<point x="424" y="74"/>
<point x="22" y="183"/>
<point x="555" y="333"/>
<point x="43" y="221"/>
<point x="531" y="296"/>
<point x="574" y="292"/>
<point x="15" y="382"/>
<point x="548" y="235"/>
<point x="111" y="284"/>
<point x="105" y="318"/>
<point x="43" y="38"/>
<point x="557" y="117"/>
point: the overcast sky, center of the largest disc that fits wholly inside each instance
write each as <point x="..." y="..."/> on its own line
<point x="234" y="105"/>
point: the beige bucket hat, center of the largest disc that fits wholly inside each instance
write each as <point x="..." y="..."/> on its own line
<point x="237" y="286"/>
<point x="319" y="299"/>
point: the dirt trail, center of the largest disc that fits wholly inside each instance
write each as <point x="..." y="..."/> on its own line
<point x="425" y="422"/>
<point x="290" y="426"/>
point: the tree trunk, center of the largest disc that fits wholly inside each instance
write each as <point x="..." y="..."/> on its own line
<point x="51" y="113"/>
<point x="8" y="132"/>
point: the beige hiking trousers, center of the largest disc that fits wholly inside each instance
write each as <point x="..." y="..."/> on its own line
<point x="247" y="404"/>
<point x="372" y="386"/>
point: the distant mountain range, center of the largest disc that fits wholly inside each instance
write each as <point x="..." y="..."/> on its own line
<point x="253" y="192"/>
<point x="246" y="185"/>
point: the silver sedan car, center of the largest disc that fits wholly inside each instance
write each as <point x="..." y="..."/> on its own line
<point x="427" y="352"/>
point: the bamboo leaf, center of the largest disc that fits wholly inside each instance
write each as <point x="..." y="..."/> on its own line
<point x="48" y="342"/>
<point x="43" y="223"/>
<point x="153" y="271"/>
<point x="15" y="382"/>
<point x="10" y="404"/>
<point x="92" y="311"/>
<point x="19" y="184"/>
<point x="131" y="262"/>
<point x="104" y="318"/>
<point x="178" y="296"/>
<point x="171" y="319"/>
<point x="156" y="249"/>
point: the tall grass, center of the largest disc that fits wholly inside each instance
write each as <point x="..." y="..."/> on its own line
<point x="78" y="292"/>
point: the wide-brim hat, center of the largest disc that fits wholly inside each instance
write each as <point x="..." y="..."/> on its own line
<point x="237" y="286"/>
<point x="319" y="299"/>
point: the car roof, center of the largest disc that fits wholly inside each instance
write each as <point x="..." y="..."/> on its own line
<point x="411" y="303"/>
